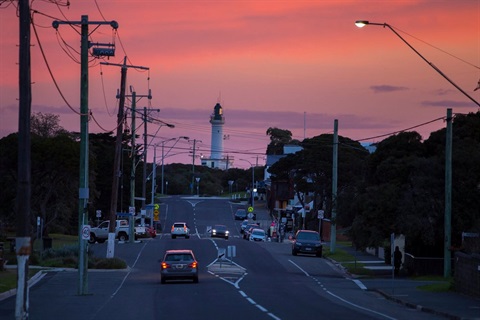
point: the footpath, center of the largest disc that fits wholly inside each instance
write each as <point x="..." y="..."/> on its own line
<point x="400" y="289"/>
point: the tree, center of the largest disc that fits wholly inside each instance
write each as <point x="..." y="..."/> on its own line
<point x="46" y="125"/>
<point x="310" y="171"/>
<point x="278" y="139"/>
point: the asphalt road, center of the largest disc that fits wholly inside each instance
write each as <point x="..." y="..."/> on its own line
<point x="262" y="281"/>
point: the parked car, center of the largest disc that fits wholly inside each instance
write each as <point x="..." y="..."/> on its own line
<point x="243" y="226"/>
<point x="307" y="241"/>
<point x="179" y="264"/>
<point x="257" y="235"/>
<point x="151" y="231"/>
<point x="180" y="229"/>
<point x="249" y="228"/>
<point x="241" y="214"/>
<point x="220" y="231"/>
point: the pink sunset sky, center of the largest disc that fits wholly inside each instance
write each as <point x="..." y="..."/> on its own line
<point x="295" y="65"/>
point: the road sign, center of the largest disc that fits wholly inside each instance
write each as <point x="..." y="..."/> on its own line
<point x="156" y="212"/>
<point x="156" y="206"/>
<point x="250" y="209"/>
<point x="321" y="214"/>
<point x="99" y="213"/>
<point x="221" y="253"/>
<point x="231" y="251"/>
<point x="85" y="232"/>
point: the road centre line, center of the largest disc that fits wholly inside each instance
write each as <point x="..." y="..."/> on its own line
<point x="340" y="298"/>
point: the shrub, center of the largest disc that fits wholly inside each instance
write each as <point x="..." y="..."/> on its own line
<point x="109" y="263"/>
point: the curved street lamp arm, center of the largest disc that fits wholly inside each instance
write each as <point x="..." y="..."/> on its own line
<point x="362" y="23"/>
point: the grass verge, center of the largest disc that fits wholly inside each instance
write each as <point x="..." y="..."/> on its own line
<point x="63" y="254"/>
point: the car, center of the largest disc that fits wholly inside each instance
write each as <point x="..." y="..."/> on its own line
<point x="248" y="229"/>
<point x="307" y="241"/>
<point x="179" y="264"/>
<point x="241" y="214"/>
<point x="180" y="229"/>
<point x="151" y="231"/>
<point x="257" y="235"/>
<point x="243" y="226"/>
<point x="220" y="231"/>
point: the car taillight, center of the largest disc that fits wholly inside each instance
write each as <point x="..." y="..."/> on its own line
<point x="173" y="228"/>
<point x="165" y="265"/>
<point x="193" y="264"/>
<point x="184" y="228"/>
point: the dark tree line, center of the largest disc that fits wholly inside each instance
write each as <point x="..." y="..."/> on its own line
<point x="55" y="171"/>
<point x="399" y="188"/>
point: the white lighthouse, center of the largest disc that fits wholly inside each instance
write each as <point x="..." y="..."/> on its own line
<point x="216" y="159"/>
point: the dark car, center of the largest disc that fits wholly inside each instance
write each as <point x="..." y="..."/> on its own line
<point x="243" y="226"/>
<point x="241" y="214"/>
<point x="307" y="241"/>
<point x="179" y="264"/>
<point x="220" y="231"/>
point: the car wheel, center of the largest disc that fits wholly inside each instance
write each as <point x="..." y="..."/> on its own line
<point x="187" y="237"/>
<point x="319" y="254"/>
<point x="122" y="237"/>
<point x="173" y="236"/>
<point x="226" y="238"/>
<point x="195" y="279"/>
<point x="162" y="280"/>
<point x="92" y="238"/>
<point x="294" y="252"/>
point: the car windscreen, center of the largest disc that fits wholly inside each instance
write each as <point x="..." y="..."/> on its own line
<point x="178" y="257"/>
<point x="178" y="225"/>
<point x="308" y="236"/>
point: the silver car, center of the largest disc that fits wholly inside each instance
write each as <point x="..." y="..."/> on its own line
<point x="257" y="235"/>
<point x="180" y="229"/>
<point x="179" y="264"/>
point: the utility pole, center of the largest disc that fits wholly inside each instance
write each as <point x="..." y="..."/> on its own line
<point x="133" y="153"/>
<point x="447" y="255"/>
<point x="22" y="240"/>
<point x="333" y="230"/>
<point x="116" y="164"/>
<point x="83" y="181"/>
<point x="145" y="147"/>
<point x="118" y="153"/>
<point x="133" y="170"/>
<point x="193" y="165"/>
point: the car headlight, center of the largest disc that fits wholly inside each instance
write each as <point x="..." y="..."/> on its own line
<point x="298" y="243"/>
<point x="227" y="232"/>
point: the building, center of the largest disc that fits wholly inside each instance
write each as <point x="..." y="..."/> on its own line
<point x="217" y="159"/>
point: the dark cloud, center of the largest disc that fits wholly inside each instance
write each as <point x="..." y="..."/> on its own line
<point x="386" y="88"/>
<point x="449" y="104"/>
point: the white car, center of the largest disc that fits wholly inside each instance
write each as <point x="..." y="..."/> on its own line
<point x="257" y="235"/>
<point x="180" y="229"/>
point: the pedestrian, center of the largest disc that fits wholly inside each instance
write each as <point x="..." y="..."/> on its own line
<point x="397" y="260"/>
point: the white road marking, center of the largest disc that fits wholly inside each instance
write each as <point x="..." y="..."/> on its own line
<point x="360" y="284"/>
<point x="341" y="299"/>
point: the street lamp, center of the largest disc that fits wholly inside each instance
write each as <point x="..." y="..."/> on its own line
<point x="253" y="184"/>
<point x="448" y="151"/>
<point x="166" y="187"/>
<point x="164" y="155"/>
<point x="363" y="23"/>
